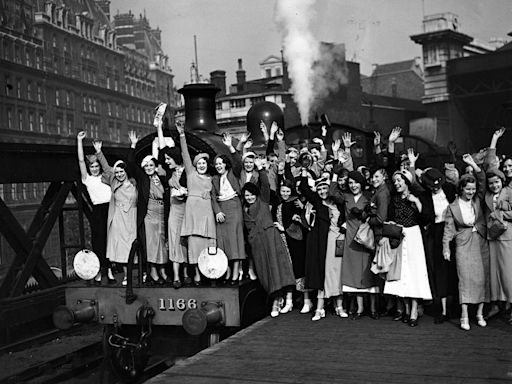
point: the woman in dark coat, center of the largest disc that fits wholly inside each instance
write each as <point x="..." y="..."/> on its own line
<point x="271" y="258"/>
<point x="323" y="268"/>
<point x="287" y="214"/>
<point x="442" y="273"/>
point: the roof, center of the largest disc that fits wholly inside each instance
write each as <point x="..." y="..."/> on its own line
<point x="398" y="66"/>
<point x="393" y="102"/>
<point x="506" y="47"/>
<point x="271" y="59"/>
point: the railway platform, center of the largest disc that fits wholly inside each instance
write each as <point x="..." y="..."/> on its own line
<point x="293" y="349"/>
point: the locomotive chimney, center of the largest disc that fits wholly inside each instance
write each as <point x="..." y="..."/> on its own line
<point x="200" y="107"/>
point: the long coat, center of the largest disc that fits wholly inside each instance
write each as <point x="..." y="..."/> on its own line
<point x="316" y="244"/>
<point x="271" y="258"/>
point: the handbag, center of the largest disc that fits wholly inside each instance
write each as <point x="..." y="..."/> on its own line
<point x="365" y="236"/>
<point x="392" y="230"/>
<point x="340" y="246"/>
<point x="294" y="231"/>
<point x="496" y="226"/>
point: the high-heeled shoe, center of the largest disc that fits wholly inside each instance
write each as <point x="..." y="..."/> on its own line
<point x="340" y="312"/>
<point x="275" y="309"/>
<point x="308" y="306"/>
<point x="252" y="275"/>
<point x="464" y="324"/>
<point x="319" y="314"/>
<point x="481" y="321"/>
<point x="187" y="280"/>
<point x="357" y="316"/>
<point x="176" y="284"/>
<point x="288" y="307"/>
<point x="399" y="316"/>
<point x="413" y="322"/>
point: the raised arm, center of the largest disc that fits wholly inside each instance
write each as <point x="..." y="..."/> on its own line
<point x="81" y="158"/>
<point x="281" y="145"/>
<point x="108" y="171"/>
<point x="263" y="181"/>
<point x="479" y="174"/>
<point x="187" y="161"/>
<point x="490" y="158"/>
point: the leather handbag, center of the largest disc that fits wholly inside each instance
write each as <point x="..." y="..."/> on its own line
<point x="496" y="225"/>
<point x="392" y="230"/>
<point x="365" y="236"/>
<point x="340" y="245"/>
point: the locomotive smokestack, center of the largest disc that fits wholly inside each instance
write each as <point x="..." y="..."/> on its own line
<point x="200" y="107"/>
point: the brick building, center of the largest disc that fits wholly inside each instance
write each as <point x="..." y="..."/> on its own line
<point x="65" y="66"/>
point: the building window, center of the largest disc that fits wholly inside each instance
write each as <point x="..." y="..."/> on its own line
<point x="29" y="90"/>
<point x="432" y="56"/>
<point x="278" y="71"/>
<point x="14" y="192"/>
<point x="8" y="86"/>
<point x="256" y="100"/>
<point x="41" y="123"/>
<point x="218" y="105"/>
<point x="59" y="125"/>
<point x="237" y="103"/>
<point x="94" y="105"/>
<point x="57" y="97"/>
<point x="38" y="60"/>
<point x="109" y="108"/>
<point x="39" y="93"/>
<point x="17" y="53"/>
<point x="9" y="118"/>
<point x="70" y="126"/>
<point x="18" y="88"/>
<point x="31" y="122"/>
<point x="20" y="120"/>
<point x="268" y="72"/>
<point x="68" y="99"/>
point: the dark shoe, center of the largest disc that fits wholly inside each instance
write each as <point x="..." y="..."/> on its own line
<point x="197" y="283"/>
<point x="406" y="319"/>
<point x="440" y="319"/>
<point x="399" y="316"/>
<point x="96" y="282"/>
<point x="112" y="281"/>
<point x="357" y="316"/>
<point x="187" y="280"/>
<point x="233" y="282"/>
<point x="374" y="316"/>
<point x="413" y="323"/>
<point x="176" y="284"/>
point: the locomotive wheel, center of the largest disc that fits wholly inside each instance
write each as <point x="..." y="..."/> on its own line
<point x="127" y="363"/>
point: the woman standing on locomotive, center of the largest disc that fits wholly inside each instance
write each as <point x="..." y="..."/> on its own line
<point x="405" y="209"/>
<point x="271" y="258"/>
<point x="150" y="214"/>
<point x="357" y="277"/>
<point x="199" y="222"/>
<point x="465" y="223"/>
<point x="100" y="195"/>
<point x="227" y="208"/>
<point x="176" y="178"/>
<point x="122" y="211"/>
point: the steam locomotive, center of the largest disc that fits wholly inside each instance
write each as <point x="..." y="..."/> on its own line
<point x="132" y="314"/>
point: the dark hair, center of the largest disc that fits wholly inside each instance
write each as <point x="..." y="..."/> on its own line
<point x="225" y="159"/>
<point x="251" y="188"/>
<point x="465" y="180"/>
<point x="508" y="157"/>
<point x="173" y="152"/>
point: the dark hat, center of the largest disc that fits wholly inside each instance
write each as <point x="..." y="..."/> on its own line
<point x="433" y="178"/>
<point x="358" y="177"/>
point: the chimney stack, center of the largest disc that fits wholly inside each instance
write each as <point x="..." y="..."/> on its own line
<point x="240" y="77"/>
<point x="218" y="78"/>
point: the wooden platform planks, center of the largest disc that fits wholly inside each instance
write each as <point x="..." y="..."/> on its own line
<point x="293" y="349"/>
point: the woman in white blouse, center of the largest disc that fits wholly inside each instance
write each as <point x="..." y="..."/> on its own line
<point x="465" y="223"/>
<point x="100" y="195"/>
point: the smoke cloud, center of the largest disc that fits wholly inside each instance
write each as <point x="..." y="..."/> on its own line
<point x="301" y="50"/>
<point x="316" y="70"/>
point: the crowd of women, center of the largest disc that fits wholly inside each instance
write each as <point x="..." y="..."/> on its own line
<point x="387" y="236"/>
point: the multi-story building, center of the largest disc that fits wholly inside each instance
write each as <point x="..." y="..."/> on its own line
<point x="66" y="67"/>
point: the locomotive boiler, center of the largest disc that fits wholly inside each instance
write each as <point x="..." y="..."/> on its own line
<point x="132" y="315"/>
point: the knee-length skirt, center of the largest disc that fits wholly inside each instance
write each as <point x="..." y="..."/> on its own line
<point x="155" y="237"/>
<point x="230" y="233"/>
<point x="501" y="270"/>
<point x="177" y="248"/>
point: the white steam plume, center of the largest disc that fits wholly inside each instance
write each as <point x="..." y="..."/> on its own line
<point x="301" y="50"/>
